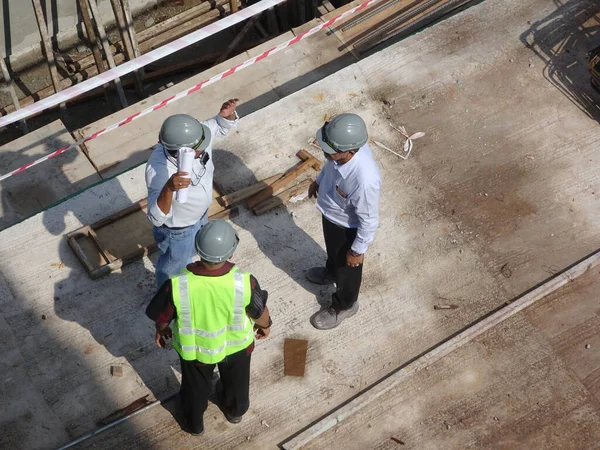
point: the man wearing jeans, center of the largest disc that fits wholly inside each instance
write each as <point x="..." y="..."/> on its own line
<point x="347" y="191"/>
<point x="175" y="224"/>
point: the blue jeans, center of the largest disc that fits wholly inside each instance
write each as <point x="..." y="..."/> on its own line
<point x="176" y="249"/>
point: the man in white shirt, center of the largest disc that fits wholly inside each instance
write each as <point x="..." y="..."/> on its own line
<point x="175" y="224"/>
<point x="347" y="192"/>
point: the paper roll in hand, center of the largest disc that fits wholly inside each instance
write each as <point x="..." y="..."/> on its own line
<point x="185" y="159"/>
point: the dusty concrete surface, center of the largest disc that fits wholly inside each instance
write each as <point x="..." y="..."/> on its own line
<point x="485" y="207"/>
<point x="528" y="383"/>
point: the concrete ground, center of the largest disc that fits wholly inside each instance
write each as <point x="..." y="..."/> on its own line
<point x="530" y="382"/>
<point x="499" y="194"/>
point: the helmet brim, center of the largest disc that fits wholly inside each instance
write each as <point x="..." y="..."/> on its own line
<point x="324" y="146"/>
<point x="205" y="143"/>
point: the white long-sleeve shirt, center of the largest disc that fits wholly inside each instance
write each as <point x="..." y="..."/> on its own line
<point x="349" y="196"/>
<point x="160" y="167"/>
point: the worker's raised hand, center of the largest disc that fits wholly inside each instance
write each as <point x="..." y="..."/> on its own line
<point x="228" y="108"/>
<point x="160" y="336"/>
<point x="262" y="333"/>
<point x="313" y="190"/>
<point x="178" y="181"/>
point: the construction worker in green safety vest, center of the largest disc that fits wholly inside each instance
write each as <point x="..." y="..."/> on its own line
<point x="217" y="311"/>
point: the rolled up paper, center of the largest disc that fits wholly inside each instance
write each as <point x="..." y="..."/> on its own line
<point x="185" y="160"/>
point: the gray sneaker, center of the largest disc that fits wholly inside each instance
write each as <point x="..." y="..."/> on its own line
<point x="328" y="318"/>
<point x="319" y="275"/>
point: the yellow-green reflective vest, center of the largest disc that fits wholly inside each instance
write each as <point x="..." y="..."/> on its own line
<point x="211" y="321"/>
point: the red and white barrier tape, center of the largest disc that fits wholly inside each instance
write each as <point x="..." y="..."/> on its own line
<point x="138" y="62"/>
<point x="195" y="88"/>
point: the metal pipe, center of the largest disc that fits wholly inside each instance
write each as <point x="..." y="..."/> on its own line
<point x="116" y="422"/>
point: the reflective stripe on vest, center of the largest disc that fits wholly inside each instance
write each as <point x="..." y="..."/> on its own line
<point x="217" y="303"/>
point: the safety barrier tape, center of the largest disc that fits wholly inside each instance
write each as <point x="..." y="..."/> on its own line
<point x="195" y="88"/>
<point x="138" y="63"/>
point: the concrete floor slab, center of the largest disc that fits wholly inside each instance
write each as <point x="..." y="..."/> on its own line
<point x="466" y="206"/>
<point x="26" y="194"/>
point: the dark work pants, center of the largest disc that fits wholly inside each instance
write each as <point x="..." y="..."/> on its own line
<point x="338" y="241"/>
<point x="196" y="386"/>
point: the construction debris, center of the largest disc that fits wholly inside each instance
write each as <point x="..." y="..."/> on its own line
<point x="445" y="306"/>
<point x="116" y="371"/>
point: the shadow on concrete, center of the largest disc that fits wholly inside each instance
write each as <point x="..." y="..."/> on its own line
<point x="562" y="40"/>
<point x="28" y="193"/>
<point x="288" y="247"/>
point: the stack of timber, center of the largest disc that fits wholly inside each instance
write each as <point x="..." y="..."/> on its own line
<point x="391" y="19"/>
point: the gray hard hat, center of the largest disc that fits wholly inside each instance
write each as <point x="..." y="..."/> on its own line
<point x="216" y="241"/>
<point x="344" y="133"/>
<point x="182" y="130"/>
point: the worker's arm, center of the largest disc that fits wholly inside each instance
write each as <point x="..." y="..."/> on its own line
<point x="225" y="120"/>
<point x="162" y="311"/>
<point x="179" y="180"/>
<point x="257" y="309"/>
<point x="366" y="206"/>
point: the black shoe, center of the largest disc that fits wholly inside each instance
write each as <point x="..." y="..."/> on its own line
<point x="232" y="419"/>
<point x="195" y="431"/>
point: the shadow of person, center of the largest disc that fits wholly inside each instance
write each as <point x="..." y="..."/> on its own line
<point x="26" y="194"/>
<point x="288" y="247"/>
<point x="562" y="40"/>
<point x="112" y="310"/>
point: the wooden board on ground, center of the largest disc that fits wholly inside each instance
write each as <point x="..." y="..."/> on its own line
<point x="307" y="161"/>
<point x="40" y="186"/>
<point x="282" y="198"/>
<point x="294" y="357"/>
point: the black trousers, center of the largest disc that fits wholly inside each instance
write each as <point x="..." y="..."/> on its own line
<point x="196" y="386"/>
<point x="338" y="241"/>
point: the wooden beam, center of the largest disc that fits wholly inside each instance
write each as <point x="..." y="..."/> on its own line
<point x="96" y="53"/>
<point x="91" y="35"/>
<point x="47" y="44"/>
<point x="13" y="95"/>
<point x="105" y="46"/>
<point x="131" y="29"/>
<point x="281" y="198"/>
<point x="126" y="39"/>
<point x="291" y="175"/>
<point x="233" y="5"/>
<point x="247" y="192"/>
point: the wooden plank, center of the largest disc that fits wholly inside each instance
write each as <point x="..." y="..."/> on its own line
<point x="175" y="33"/>
<point x="47" y="44"/>
<point x="105" y="254"/>
<point x="131" y="30"/>
<point x="281" y="198"/>
<point x="307" y="161"/>
<point x="107" y="52"/>
<point x="294" y="357"/>
<point x="247" y="192"/>
<point x="91" y="34"/>
<point x="126" y="39"/>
